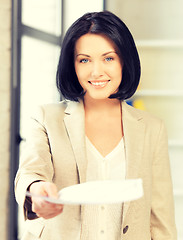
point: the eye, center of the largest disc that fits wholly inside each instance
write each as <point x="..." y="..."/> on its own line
<point x="108" y="59"/>
<point x="84" y="60"/>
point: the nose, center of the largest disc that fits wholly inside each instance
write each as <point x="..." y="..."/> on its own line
<point x="97" y="70"/>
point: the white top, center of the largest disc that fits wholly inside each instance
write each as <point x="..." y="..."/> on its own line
<point x="106" y="219"/>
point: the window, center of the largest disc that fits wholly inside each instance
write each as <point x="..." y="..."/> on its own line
<point x="38" y="28"/>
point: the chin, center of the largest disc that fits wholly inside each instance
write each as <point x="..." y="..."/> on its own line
<point x="96" y="96"/>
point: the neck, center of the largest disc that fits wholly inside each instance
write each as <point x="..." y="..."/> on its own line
<point x="102" y="105"/>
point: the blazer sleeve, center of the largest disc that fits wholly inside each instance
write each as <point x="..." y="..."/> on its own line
<point x="35" y="162"/>
<point x="162" y="211"/>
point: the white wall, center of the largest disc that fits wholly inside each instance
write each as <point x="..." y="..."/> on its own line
<point x="75" y="9"/>
<point x="5" y="79"/>
<point x="157" y="29"/>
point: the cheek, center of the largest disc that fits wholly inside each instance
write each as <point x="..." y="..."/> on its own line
<point x="114" y="69"/>
<point x="82" y="73"/>
<point x="80" y="77"/>
<point x="78" y="72"/>
<point x="119" y="72"/>
<point x="116" y="73"/>
<point x="118" y="76"/>
<point x="76" y="69"/>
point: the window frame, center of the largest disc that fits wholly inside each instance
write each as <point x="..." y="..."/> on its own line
<point x="17" y="32"/>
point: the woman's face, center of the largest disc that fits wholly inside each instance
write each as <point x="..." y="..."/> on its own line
<point x="97" y="65"/>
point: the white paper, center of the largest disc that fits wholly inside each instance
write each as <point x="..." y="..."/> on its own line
<point x="99" y="192"/>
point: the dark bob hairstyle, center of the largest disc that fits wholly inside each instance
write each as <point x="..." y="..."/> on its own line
<point x="111" y="26"/>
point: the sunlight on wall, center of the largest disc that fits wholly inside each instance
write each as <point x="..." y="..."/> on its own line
<point x="40" y="59"/>
<point x="75" y="9"/>
<point x="157" y="29"/>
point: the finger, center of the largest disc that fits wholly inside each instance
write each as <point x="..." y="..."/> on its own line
<point x="51" y="216"/>
<point x="50" y="212"/>
<point x="37" y="188"/>
<point x="51" y="190"/>
<point x="46" y="207"/>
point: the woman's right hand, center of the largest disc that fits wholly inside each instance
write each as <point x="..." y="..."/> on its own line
<point x="41" y="207"/>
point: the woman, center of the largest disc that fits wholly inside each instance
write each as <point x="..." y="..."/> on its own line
<point x="95" y="135"/>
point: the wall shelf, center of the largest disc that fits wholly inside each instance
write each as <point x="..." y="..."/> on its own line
<point x="159" y="93"/>
<point x="178" y="192"/>
<point x="159" y="43"/>
<point x="175" y="143"/>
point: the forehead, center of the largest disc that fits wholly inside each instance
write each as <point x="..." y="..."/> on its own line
<point x="94" y="43"/>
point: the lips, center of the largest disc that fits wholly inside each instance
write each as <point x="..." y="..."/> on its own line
<point x="99" y="83"/>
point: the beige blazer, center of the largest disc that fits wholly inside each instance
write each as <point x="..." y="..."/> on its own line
<point x="55" y="151"/>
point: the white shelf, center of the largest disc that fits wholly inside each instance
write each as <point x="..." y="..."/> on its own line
<point x="159" y="43"/>
<point x="159" y="93"/>
<point x="178" y="192"/>
<point x="175" y="143"/>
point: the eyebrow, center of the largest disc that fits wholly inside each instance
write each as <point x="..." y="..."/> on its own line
<point x="82" y="55"/>
<point x="104" y="54"/>
<point x="109" y="53"/>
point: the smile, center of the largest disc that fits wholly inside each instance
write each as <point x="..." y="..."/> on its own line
<point x="100" y="84"/>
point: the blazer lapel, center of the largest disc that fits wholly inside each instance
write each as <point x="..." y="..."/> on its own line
<point x="134" y="130"/>
<point x="75" y="125"/>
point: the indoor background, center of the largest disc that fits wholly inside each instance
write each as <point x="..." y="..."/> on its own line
<point x="31" y="33"/>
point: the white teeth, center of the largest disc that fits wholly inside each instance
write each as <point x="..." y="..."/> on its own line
<point x="98" y="83"/>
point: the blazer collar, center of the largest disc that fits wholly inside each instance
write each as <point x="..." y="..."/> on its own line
<point x="134" y="131"/>
<point x="75" y="125"/>
<point x="133" y="127"/>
